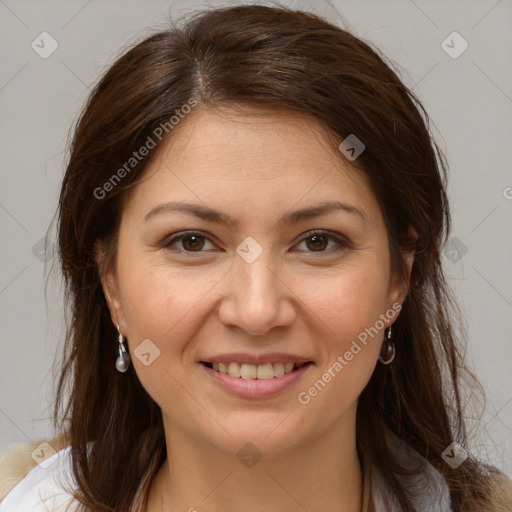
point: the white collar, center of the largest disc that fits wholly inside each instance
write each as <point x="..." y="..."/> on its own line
<point x="429" y="490"/>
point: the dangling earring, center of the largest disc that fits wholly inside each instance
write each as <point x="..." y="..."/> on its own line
<point x="388" y="351"/>
<point x="123" y="359"/>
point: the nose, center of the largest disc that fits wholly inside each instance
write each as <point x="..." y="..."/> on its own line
<point x="256" y="297"/>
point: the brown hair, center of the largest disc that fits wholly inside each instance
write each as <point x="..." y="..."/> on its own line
<point x="271" y="58"/>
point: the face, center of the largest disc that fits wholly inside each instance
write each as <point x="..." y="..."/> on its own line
<point x="274" y="291"/>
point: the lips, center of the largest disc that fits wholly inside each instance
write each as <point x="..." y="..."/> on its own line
<point x="255" y="381"/>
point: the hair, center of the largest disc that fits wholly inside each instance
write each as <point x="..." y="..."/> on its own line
<point x="270" y="58"/>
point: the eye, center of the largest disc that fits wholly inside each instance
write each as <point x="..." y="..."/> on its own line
<point x="192" y="241"/>
<point x="195" y="241"/>
<point x="318" y="240"/>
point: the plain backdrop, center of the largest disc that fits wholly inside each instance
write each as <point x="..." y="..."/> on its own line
<point x="468" y="95"/>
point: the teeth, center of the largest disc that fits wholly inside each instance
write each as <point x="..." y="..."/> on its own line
<point x="248" y="371"/>
<point x="265" y="371"/>
<point x="279" y="369"/>
<point x="234" y="369"/>
<point x="252" y="371"/>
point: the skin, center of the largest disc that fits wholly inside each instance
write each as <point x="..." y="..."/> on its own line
<point x="294" y="298"/>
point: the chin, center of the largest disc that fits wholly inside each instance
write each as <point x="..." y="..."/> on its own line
<point x="271" y="434"/>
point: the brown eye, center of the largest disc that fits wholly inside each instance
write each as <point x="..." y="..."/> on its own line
<point x="190" y="242"/>
<point x="193" y="242"/>
<point x="318" y="241"/>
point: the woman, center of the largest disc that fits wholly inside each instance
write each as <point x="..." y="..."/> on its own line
<point x="250" y="229"/>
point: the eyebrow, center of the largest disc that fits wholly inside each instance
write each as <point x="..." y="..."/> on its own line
<point x="212" y="215"/>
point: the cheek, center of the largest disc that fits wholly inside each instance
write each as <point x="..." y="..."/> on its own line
<point x="162" y="305"/>
<point x="159" y="299"/>
<point x="348" y="309"/>
<point x="349" y="301"/>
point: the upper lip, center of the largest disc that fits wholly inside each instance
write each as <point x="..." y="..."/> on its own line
<point x="240" y="358"/>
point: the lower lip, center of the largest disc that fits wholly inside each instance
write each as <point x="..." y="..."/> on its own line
<point x="256" y="388"/>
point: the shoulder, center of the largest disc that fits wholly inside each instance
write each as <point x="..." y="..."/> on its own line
<point x="429" y="488"/>
<point x="35" y="475"/>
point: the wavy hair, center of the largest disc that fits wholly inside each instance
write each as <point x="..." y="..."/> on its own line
<point x="269" y="58"/>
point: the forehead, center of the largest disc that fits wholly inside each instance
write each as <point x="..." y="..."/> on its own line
<point x="261" y="143"/>
<point x="245" y="158"/>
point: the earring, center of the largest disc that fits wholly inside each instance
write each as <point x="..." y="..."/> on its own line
<point x="388" y="351"/>
<point x="123" y="359"/>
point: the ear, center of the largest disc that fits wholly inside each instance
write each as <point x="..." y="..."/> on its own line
<point x="398" y="291"/>
<point x="110" y="285"/>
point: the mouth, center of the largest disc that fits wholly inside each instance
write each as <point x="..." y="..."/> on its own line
<point x="255" y="381"/>
<point x="248" y="371"/>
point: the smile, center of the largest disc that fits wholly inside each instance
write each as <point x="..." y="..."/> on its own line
<point x="255" y="381"/>
<point x="252" y="371"/>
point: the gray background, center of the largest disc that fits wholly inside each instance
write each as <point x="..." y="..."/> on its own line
<point x="469" y="99"/>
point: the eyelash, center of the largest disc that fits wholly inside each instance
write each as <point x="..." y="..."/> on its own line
<point x="317" y="232"/>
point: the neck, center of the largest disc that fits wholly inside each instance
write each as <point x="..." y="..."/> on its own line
<point x="316" y="476"/>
